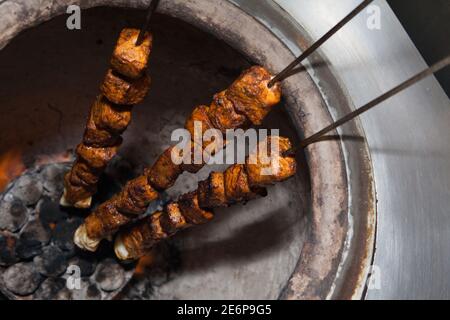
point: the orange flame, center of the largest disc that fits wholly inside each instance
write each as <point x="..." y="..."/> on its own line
<point x="143" y="264"/>
<point x="11" y="166"/>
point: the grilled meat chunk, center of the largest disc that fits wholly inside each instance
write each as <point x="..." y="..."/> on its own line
<point x="129" y="59"/>
<point x="75" y="193"/>
<point x="105" y="219"/>
<point x="236" y="184"/>
<point x="96" y="158"/>
<point x="110" y="117"/>
<point x="164" y="172"/>
<point x="136" y="196"/>
<point x="189" y="207"/>
<point x="173" y="220"/>
<point x="121" y="90"/>
<point x="211" y="192"/>
<point x="223" y="115"/>
<point x="95" y="137"/>
<point x="251" y="96"/>
<point x="200" y="114"/>
<point x="269" y="165"/>
<point x="83" y="175"/>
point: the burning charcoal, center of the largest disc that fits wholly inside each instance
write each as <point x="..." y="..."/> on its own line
<point x="13" y="214"/>
<point x="34" y="230"/>
<point x="52" y="175"/>
<point x="27" y="249"/>
<point x="52" y="262"/>
<point x="22" y="279"/>
<point x="27" y="189"/>
<point x="50" y="212"/>
<point x="63" y="234"/>
<point x="49" y="288"/>
<point x="87" y="265"/>
<point x="93" y="293"/>
<point x="110" y="275"/>
<point x="7" y="251"/>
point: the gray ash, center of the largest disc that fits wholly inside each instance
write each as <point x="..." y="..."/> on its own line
<point x="14" y="213"/>
<point x="22" y="279"/>
<point x="38" y="259"/>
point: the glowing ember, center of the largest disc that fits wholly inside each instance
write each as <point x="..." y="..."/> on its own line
<point x="11" y="166"/>
<point x="144" y="263"/>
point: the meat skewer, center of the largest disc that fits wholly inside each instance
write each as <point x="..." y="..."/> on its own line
<point x="247" y="101"/>
<point x="91" y="240"/>
<point x="239" y="183"/>
<point x="125" y="85"/>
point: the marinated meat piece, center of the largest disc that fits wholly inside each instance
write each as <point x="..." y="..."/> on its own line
<point x="139" y="238"/>
<point x="136" y="196"/>
<point x="110" y="117"/>
<point x="129" y="59"/>
<point x="189" y="163"/>
<point x="191" y="211"/>
<point x="264" y="168"/>
<point x="251" y="96"/>
<point x="77" y="193"/>
<point x="157" y="231"/>
<point x="104" y="221"/>
<point x="84" y="174"/>
<point x="211" y="192"/>
<point x="200" y="114"/>
<point x="236" y="184"/>
<point x="96" y="158"/>
<point x="223" y="116"/>
<point x="164" y="172"/>
<point x="120" y="90"/>
<point x="173" y="220"/>
<point x="95" y="137"/>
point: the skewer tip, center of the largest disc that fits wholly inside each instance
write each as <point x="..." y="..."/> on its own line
<point x="151" y="9"/>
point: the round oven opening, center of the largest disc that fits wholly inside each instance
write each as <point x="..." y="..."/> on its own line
<point x="311" y="237"/>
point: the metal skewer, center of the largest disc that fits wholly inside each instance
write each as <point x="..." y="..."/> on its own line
<point x="151" y="9"/>
<point x="286" y="71"/>
<point x="408" y="83"/>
